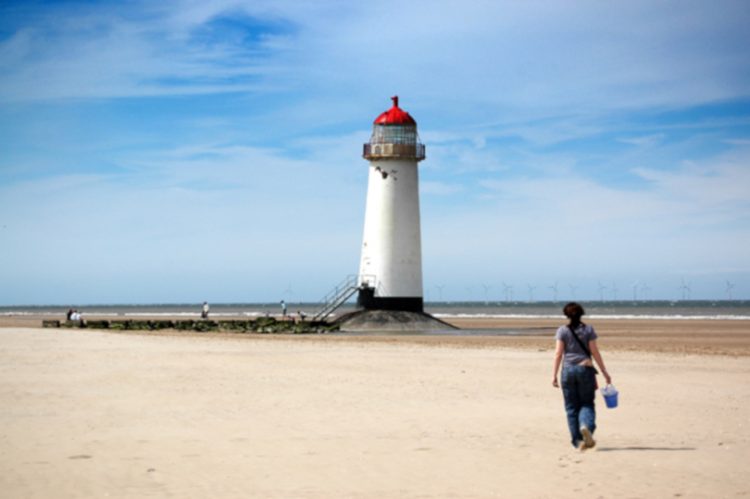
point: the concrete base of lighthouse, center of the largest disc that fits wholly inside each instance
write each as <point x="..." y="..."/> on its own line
<point x="368" y="301"/>
<point x="391" y="321"/>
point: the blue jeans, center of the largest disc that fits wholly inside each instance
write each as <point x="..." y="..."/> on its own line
<point x="579" y="389"/>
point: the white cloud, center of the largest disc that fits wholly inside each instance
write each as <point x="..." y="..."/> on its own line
<point x="499" y="56"/>
<point x="643" y="140"/>
<point x="95" y="53"/>
<point x="225" y="225"/>
<point x="538" y="229"/>
<point x="705" y="191"/>
<point x="439" y="188"/>
<point x="737" y="142"/>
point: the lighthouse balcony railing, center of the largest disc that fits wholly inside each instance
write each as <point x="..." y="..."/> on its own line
<point x="386" y="150"/>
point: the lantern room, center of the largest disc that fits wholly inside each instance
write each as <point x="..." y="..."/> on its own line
<point x="394" y="136"/>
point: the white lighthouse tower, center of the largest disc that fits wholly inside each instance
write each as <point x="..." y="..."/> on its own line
<point x="391" y="263"/>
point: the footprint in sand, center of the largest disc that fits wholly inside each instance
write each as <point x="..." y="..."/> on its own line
<point x="80" y="456"/>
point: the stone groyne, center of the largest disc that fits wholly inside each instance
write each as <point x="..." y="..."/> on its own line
<point x="267" y="325"/>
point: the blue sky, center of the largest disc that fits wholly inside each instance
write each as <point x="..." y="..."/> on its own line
<point x="185" y="151"/>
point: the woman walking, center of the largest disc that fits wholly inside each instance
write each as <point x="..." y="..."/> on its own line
<point x="576" y="345"/>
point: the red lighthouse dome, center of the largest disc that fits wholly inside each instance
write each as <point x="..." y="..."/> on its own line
<point x="395" y="116"/>
<point x="394" y="136"/>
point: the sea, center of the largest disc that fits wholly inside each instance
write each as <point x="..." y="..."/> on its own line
<point x="651" y="309"/>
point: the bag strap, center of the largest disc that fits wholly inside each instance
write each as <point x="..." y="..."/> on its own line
<point x="580" y="341"/>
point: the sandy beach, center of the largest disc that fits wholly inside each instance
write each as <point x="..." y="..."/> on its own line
<point x="88" y="413"/>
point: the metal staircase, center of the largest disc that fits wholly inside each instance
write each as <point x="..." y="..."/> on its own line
<point x="340" y="294"/>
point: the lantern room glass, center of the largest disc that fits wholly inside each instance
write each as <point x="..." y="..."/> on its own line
<point x="394" y="134"/>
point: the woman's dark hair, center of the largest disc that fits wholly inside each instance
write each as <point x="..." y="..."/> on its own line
<point x="573" y="309"/>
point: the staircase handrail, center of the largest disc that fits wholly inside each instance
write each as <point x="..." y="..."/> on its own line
<point x="342" y="292"/>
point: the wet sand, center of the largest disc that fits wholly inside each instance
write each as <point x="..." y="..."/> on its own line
<point x="686" y="336"/>
<point x="704" y="337"/>
<point x="88" y="413"/>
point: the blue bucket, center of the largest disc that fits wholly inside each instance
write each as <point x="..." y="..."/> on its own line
<point x="610" y="396"/>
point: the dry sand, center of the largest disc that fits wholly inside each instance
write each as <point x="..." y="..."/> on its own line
<point x="87" y="413"/>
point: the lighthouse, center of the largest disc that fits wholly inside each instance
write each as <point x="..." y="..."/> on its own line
<point x="391" y="263"/>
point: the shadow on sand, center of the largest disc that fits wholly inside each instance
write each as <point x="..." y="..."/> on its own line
<point x="613" y="449"/>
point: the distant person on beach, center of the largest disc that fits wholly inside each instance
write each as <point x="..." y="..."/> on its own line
<point x="283" y="309"/>
<point x="70" y="314"/>
<point x="204" y="312"/>
<point x="76" y="316"/>
<point x="576" y="345"/>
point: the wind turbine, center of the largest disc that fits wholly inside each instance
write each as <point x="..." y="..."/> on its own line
<point x="554" y="292"/>
<point x="440" y="290"/>
<point x="614" y="291"/>
<point x="508" y="290"/>
<point x="730" y="287"/>
<point x="573" y="290"/>
<point x="645" y="288"/>
<point x="486" y="293"/>
<point x="531" y="292"/>
<point x="635" y="291"/>
<point x="685" y="288"/>
<point x="602" y="289"/>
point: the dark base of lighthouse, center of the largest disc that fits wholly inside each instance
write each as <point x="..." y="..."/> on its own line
<point x="391" y="321"/>
<point x="368" y="301"/>
<point x="390" y="315"/>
